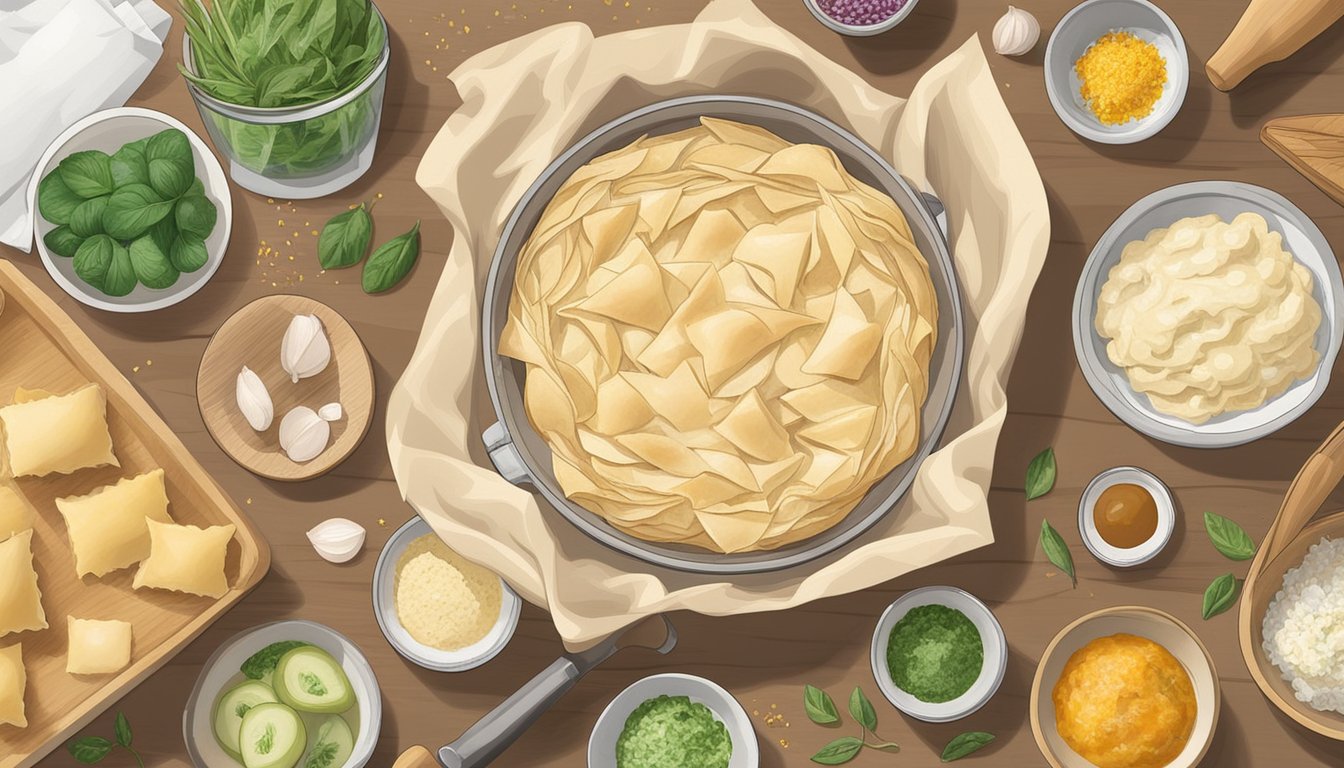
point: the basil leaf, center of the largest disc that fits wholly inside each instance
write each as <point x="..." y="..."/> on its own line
<point x="93" y="258"/>
<point x="55" y="201"/>
<point x="122" y="726"/>
<point x="392" y="261"/>
<point x="195" y="214"/>
<point x="188" y="253"/>
<point x="838" y="752"/>
<point x="164" y="233"/>
<point x="170" y="178"/>
<point x="90" y="749"/>
<point x="120" y="277"/>
<point x="197" y="187"/>
<point x="819" y="706"/>
<point x="861" y="709"/>
<point x="87" y="220"/>
<point x="1057" y="550"/>
<point x="345" y="239"/>
<point x="964" y="744"/>
<point x="129" y="165"/>
<point x="1041" y="474"/>
<point x="62" y="242"/>
<point x="132" y="210"/>
<point x="263" y="661"/>
<point x="1228" y="537"/>
<point x="151" y="265"/>
<point x="88" y="173"/>
<point x="170" y="144"/>
<point x="1220" y="595"/>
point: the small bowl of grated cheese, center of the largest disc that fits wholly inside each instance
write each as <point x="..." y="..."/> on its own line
<point x="1116" y="71"/>
<point x="436" y="608"/>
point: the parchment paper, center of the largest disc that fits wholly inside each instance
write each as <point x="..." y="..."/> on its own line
<point x="525" y="102"/>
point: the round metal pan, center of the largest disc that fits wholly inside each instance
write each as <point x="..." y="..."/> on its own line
<point x="524" y="458"/>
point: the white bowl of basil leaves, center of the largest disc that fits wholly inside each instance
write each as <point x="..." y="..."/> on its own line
<point x="673" y="720"/>
<point x="144" y="198"/>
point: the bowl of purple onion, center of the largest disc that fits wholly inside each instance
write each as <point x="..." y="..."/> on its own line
<point x="860" y="18"/>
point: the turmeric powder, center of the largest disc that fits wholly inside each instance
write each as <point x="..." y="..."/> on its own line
<point x="1122" y="77"/>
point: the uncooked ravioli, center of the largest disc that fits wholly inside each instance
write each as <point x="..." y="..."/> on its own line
<point x="727" y="337"/>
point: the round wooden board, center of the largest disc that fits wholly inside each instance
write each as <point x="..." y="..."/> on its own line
<point x="252" y="337"/>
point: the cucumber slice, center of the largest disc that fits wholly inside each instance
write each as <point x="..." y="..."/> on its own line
<point x="230" y="708"/>
<point x="310" y="680"/>
<point x="272" y="736"/>
<point x="332" y="744"/>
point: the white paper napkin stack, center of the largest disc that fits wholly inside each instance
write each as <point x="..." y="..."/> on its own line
<point x="59" y="61"/>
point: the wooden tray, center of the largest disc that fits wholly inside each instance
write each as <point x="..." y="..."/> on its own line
<point x="43" y="348"/>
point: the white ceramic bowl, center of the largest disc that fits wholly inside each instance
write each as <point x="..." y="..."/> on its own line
<point x="602" y="743"/>
<point x="1166" y="517"/>
<point x="108" y="131"/>
<point x="385" y="609"/>
<point x="223" y="665"/>
<point x="1078" y="30"/>
<point x="991" y="636"/>
<point x="1161" y="209"/>
<point x="1163" y="629"/>
<point x="868" y="30"/>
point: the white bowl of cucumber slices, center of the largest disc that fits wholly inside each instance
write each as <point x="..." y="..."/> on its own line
<point x="292" y="693"/>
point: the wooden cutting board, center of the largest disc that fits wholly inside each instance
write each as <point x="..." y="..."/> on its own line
<point x="41" y="347"/>
<point x="1314" y="145"/>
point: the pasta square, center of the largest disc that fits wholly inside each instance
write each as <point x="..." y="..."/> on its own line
<point x="184" y="558"/>
<point x="97" y="647"/>
<point x="15" y="513"/>
<point x="20" y="599"/>
<point x="107" y="527"/>
<point x="61" y="433"/>
<point x="13" y="682"/>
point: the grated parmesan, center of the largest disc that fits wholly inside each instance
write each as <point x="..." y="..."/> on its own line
<point x="443" y="600"/>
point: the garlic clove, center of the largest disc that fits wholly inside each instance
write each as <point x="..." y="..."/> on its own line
<point x="254" y="401"/>
<point x="1016" y="33"/>
<point x="305" y="350"/>
<point x="330" y="412"/>
<point x="303" y="434"/>
<point x="337" y="540"/>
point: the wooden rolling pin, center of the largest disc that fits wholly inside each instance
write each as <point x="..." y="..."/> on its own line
<point x="1269" y="31"/>
<point x="1314" y="146"/>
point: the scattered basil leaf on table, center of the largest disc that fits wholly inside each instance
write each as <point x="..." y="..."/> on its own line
<point x="1220" y="595"/>
<point x="839" y="752"/>
<point x="62" y="242"/>
<point x="152" y="266"/>
<point x="1057" y="550"/>
<point x="132" y="210"/>
<point x="87" y="174"/>
<point x="1041" y="474"/>
<point x="188" y="253"/>
<point x="392" y="261"/>
<point x="196" y="214"/>
<point x="120" y="278"/>
<point x="122" y="728"/>
<point x="819" y="706"/>
<point x="964" y="744"/>
<point x="94" y="258"/>
<point x="90" y="749"/>
<point x="169" y="177"/>
<point x="263" y="661"/>
<point x="345" y="238"/>
<point x="861" y="709"/>
<point x="87" y="220"/>
<point x="129" y="165"/>
<point x="1228" y="538"/>
<point x="55" y="201"/>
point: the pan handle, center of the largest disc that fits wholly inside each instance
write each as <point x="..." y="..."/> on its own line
<point x="493" y="734"/>
<point x="504" y="454"/>
<point x="1314" y="482"/>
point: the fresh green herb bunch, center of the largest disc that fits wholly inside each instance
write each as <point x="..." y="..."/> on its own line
<point x="281" y="53"/>
<point x="137" y="216"/>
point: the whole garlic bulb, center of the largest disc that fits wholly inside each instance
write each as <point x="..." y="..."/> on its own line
<point x="1016" y="33"/>
<point x="304" y="433"/>
<point x="337" y="540"/>
<point x="305" y="350"/>
<point x="254" y="400"/>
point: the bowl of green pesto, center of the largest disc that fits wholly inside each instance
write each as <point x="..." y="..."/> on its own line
<point x="673" y="721"/>
<point x="938" y="654"/>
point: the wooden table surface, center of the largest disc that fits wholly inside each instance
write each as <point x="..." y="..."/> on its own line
<point x="762" y="659"/>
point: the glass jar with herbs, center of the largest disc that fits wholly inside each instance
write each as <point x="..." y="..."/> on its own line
<point x="291" y="91"/>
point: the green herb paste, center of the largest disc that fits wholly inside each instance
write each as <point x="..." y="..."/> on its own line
<point x="673" y="732"/>
<point x="935" y="653"/>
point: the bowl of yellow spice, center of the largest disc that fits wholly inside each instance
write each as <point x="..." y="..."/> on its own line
<point x="438" y="609"/>
<point x="1116" y="71"/>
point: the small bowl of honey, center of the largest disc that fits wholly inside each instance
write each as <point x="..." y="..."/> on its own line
<point x="1126" y="516"/>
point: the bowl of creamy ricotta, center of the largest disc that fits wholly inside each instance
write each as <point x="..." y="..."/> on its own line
<point x="1208" y="314"/>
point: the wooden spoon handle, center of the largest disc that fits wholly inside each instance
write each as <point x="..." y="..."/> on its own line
<point x="1269" y="30"/>
<point x="1318" y="477"/>
<point x="416" y="757"/>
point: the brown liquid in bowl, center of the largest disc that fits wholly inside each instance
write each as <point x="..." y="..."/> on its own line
<point x="1125" y="515"/>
